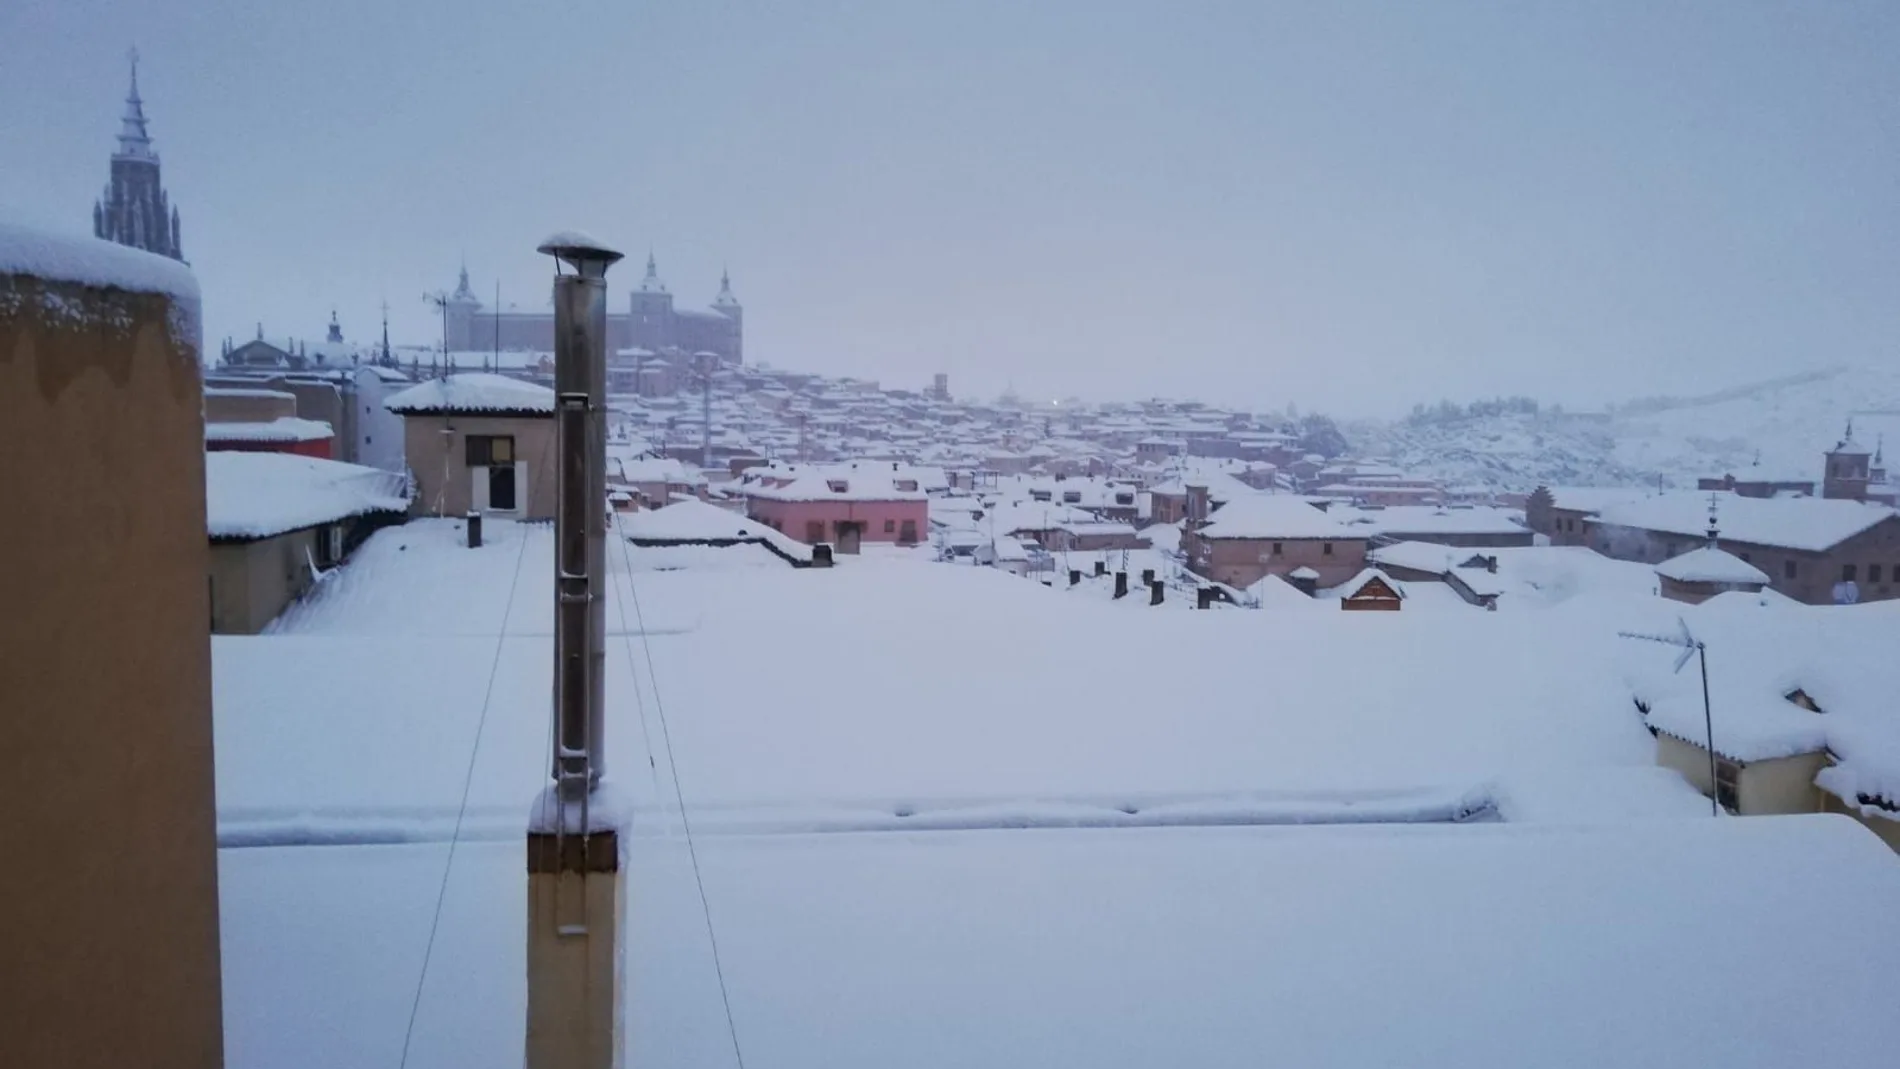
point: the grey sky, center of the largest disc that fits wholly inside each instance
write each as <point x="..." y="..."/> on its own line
<point x="1351" y="206"/>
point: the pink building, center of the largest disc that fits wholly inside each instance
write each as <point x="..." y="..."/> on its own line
<point x="845" y="504"/>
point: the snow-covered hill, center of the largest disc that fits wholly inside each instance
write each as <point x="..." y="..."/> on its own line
<point x="1774" y="429"/>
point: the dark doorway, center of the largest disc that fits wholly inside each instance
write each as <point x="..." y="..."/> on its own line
<point x="501" y="487"/>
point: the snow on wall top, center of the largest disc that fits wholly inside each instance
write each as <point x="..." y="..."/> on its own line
<point x="89" y="261"/>
<point x="473" y="391"/>
<point x="249" y="391"/>
<point x="1710" y="565"/>
<point x="1806" y="523"/>
<point x="257" y="495"/>
<point x="281" y="429"/>
<point x="1274" y="516"/>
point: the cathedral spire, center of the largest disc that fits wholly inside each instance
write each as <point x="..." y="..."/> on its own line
<point x="134" y="210"/>
<point x="134" y="139"/>
<point x="725" y="298"/>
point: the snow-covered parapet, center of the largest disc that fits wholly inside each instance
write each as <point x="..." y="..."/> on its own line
<point x="58" y="259"/>
<point x="86" y="261"/>
<point x="474" y="391"/>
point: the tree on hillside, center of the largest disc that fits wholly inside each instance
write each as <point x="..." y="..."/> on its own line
<point x="1319" y="434"/>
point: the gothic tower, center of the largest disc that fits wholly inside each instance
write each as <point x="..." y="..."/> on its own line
<point x="135" y="210"/>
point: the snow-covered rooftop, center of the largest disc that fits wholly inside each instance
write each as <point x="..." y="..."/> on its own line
<point x="257" y="495"/>
<point x="1707" y="564"/>
<point x="1274" y="516"/>
<point x="1807" y="523"/>
<point x="1840" y="657"/>
<point x="472" y="391"/>
<point x="90" y="261"/>
<point x="1396" y="520"/>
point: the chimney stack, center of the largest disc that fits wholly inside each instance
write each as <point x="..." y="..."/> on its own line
<point x="1155" y="591"/>
<point x="1121" y="584"/>
<point x="474" y="529"/>
<point x="575" y="895"/>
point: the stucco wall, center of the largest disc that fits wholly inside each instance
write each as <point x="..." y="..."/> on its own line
<point x="1782" y="785"/>
<point x="109" y="905"/>
<point x="440" y="461"/>
<point x="792" y="517"/>
<point x="240" y="402"/>
<point x="253" y="582"/>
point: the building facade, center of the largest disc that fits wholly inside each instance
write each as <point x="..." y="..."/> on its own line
<point x="134" y="209"/>
<point x="109" y="914"/>
<point x="652" y="322"/>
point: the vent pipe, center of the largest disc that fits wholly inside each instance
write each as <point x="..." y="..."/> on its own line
<point x="580" y="520"/>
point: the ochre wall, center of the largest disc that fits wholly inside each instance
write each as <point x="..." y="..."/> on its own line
<point x="109" y="902"/>
<point x="440" y="461"/>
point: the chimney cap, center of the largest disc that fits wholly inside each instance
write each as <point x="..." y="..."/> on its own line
<point x="580" y="250"/>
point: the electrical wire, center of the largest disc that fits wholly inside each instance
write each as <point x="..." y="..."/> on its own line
<point x="679" y="795"/>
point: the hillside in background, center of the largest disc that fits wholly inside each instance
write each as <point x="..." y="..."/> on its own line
<point x="1777" y="428"/>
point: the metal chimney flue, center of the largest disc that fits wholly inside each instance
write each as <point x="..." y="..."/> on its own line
<point x="580" y="517"/>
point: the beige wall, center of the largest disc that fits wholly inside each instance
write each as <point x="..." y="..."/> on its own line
<point x="253" y="582"/>
<point x="248" y="407"/>
<point x="439" y="460"/>
<point x="109" y="904"/>
<point x="1781" y="785"/>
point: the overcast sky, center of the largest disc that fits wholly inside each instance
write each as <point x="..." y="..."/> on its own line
<point x="1349" y="206"/>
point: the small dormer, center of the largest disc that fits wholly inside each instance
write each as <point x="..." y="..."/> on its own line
<point x="1803" y="699"/>
<point x="908" y="486"/>
<point x="1072" y="497"/>
<point x="838" y="486"/>
<point x="1040" y="495"/>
